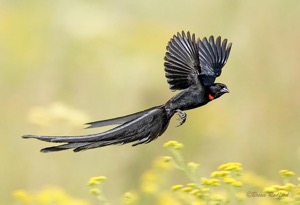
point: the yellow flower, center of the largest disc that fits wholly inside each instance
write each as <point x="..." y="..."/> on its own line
<point x="167" y="158"/>
<point x="237" y="184"/>
<point x="283" y="192"/>
<point x="95" y="191"/>
<point x="96" y="180"/>
<point x="204" y="190"/>
<point x="197" y="203"/>
<point x="219" y="174"/>
<point x="192" y="166"/>
<point x="195" y="192"/>
<point x="167" y="199"/>
<point x="217" y="198"/>
<point x="186" y="189"/>
<point x="170" y="144"/>
<point x="179" y="146"/>
<point x="231" y="166"/>
<point x="149" y="181"/>
<point x="176" y="187"/>
<point x="129" y="198"/>
<point x="270" y="189"/>
<point x="210" y="182"/>
<point x="191" y="185"/>
<point x="255" y="180"/>
<point x="279" y="187"/>
<point x="174" y="145"/>
<point x="232" y="181"/>
<point x="49" y="195"/>
<point x="52" y="195"/>
<point x="287" y="200"/>
<point x="229" y="180"/>
<point x="286" y="173"/>
<point x="289" y="186"/>
<point x="23" y="196"/>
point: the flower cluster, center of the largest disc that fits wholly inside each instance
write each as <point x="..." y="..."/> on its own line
<point x="96" y="180"/>
<point x="96" y="190"/>
<point x="286" y="193"/>
<point x="129" y="198"/>
<point x="47" y="196"/>
<point x="227" y="184"/>
<point x="286" y="173"/>
<point x="174" y="145"/>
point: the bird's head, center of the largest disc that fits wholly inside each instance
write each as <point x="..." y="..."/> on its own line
<point x="217" y="90"/>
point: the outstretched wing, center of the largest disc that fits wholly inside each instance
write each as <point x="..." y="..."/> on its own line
<point x="212" y="57"/>
<point x="182" y="61"/>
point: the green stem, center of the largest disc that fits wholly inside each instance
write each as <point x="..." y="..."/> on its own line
<point x="180" y="164"/>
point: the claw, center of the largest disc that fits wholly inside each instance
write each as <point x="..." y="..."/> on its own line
<point x="182" y="117"/>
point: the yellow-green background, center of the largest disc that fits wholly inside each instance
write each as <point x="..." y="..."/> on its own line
<point x="105" y="59"/>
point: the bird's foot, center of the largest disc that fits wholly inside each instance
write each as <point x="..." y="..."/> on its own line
<point x="182" y="117"/>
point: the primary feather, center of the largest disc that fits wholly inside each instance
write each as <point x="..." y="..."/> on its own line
<point x="212" y="57"/>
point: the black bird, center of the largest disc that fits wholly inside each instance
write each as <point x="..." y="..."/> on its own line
<point x="191" y="66"/>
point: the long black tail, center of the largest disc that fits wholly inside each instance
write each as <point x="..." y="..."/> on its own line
<point x="141" y="127"/>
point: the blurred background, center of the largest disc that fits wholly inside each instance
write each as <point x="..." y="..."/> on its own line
<point x="64" y="63"/>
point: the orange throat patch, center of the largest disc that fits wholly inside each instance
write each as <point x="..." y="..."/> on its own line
<point x="210" y="97"/>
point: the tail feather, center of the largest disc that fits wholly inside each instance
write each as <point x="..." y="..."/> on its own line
<point x="145" y="127"/>
<point x="63" y="147"/>
<point x="117" y="120"/>
<point x="117" y="140"/>
<point x="92" y="137"/>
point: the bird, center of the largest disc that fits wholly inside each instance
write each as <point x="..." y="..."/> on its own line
<point x="191" y="67"/>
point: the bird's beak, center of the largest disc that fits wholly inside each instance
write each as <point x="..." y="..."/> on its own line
<point x="224" y="90"/>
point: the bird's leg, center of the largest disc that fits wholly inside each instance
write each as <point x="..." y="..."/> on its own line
<point x="182" y="117"/>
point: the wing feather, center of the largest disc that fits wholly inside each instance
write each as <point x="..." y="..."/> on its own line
<point x="213" y="56"/>
<point x="182" y="61"/>
<point x="186" y="60"/>
<point x="218" y="46"/>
